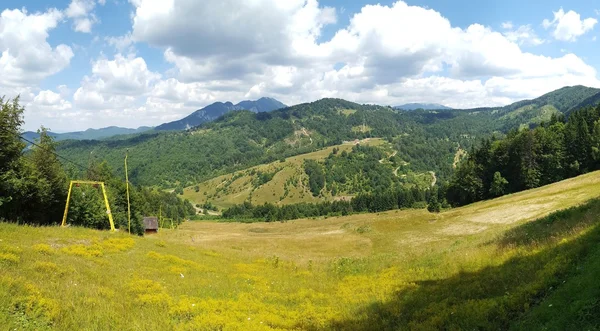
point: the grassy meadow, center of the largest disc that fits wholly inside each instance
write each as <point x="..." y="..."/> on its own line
<point x="510" y="263"/>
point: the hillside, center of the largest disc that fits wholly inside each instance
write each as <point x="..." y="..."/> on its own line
<point x="561" y="101"/>
<point x="286" y="182"/>
<point x="218" y="109"/>
<point x="426" y="140"/>
<point x="243" y="139"/>
<point x="89" y="134"/>
<point x="425" y="106"/>
<point x="500" y="264"/>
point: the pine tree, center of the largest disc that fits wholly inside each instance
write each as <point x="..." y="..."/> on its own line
<point x="51" y="179"/>
<point x="11" y="148"/>
<point x="499" y="185"/>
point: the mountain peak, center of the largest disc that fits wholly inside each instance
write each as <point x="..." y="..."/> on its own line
<point x="218" y="109"/>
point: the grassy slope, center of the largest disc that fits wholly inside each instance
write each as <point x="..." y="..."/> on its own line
<point x="223" y="192"/>
<point x="488" y="265"/>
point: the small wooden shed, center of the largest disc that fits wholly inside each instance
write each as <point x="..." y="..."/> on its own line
<point x="150" y="225"/>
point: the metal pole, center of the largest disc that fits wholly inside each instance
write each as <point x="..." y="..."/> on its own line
<point x="64" y="221"/>
<point x="128" y="206"/>
<point x="110" y="218"/>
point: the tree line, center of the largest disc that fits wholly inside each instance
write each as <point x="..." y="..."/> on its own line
<point x="399" y="198"/>
<point x="529" y="158"/>
<point x="34" y="185"/>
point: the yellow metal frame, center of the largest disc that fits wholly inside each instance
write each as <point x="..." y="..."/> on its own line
<point x="128" y="206"/>
<point x="110" y="218"/>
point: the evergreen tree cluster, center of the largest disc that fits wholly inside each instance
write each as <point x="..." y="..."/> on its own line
<point x="529" y="158"/>
<point x="399" y="198"/>
<point x="34" y="185"/>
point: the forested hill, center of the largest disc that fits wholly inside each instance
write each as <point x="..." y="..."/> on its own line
<point x="425" y="140"/>
<point x="242" y="139"/>
<point x="425" y="106"/>
<point x="535" y="111"/>
<point x="218" y="109"/>
<point x="89" y="134"/>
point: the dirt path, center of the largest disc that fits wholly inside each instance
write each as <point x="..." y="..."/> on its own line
<point x="308" y="135"/>
<point x="389" y="157"/>
<point x="460" y="153"/>
<point x="434" y="181"/>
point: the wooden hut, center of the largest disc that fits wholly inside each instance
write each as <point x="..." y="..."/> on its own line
<point x="150" y="225"/>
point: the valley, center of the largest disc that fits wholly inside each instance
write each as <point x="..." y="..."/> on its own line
<point x="288" y="184"/>
<point x="324" y="215"/>
<point x="371" y="271"/>
<point x="306" y="165"/>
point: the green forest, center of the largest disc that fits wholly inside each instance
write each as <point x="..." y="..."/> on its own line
<point x="510" y="149"/>
<point x="384" y="200"/>
<point x="34" y="184"/>
<point x="555" y="150"/>
<point x="242" y="139"/>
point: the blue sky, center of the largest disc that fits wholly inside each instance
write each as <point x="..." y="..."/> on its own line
<point x="93" y="63"/>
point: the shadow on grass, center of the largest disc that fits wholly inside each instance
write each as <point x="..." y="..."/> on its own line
<point x="552" y="227"/>
<point x="496" y="297"/>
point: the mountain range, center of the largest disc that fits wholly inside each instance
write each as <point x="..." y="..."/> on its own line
<point x="89" y="134"/>
<point x="218" y="109"/>
<point x="424" y="106"/>
<point x="425" y="140"/>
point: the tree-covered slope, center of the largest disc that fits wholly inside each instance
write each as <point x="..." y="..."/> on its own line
<point x="89" y="134"/>
<point x="535" y="111"/>
<point x="242" y="139"/>
<point x="426" y="140"/>
<point x="425" y="106"/>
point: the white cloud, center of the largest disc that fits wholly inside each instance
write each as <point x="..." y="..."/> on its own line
<point x="386" y="55"/>
<point x="50" y="99"/>
<point x="121" y="43"/>
<point x="569" y="26"/>
<point x="115" y="83"/>
<point x="523" y="35"/>
<point x="81" y="11"/>
<point x="27" y="57"/>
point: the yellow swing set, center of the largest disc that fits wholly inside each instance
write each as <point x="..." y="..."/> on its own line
<point x="95" y="184"/>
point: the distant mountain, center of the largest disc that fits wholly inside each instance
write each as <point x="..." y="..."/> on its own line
<point x="261" y="105"/>
<point x="218" y="109"/>
<point x="89" y="134"/>
<point x="425" y="140"/>
<point x="424" y="106"/>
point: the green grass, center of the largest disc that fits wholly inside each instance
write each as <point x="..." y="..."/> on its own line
<point x="508" y="263"/>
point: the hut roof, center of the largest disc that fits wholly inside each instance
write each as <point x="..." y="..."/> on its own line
<point x="150" y="223"/>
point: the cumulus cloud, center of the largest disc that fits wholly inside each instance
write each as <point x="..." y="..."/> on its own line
<point x="523" y="35"/>
<point x="115" y="83"/>
<point x="81" y="11"/>
<point x="27" y="57"/>
<point x="270" y="32"/>
<point x="568" y="26"/>
<point x="386" y="54"/>
<point x="51" y="100"/>
<point x="121" y="43"/>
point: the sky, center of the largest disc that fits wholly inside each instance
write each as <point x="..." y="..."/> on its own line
<point x="79" y="64"/>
